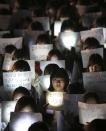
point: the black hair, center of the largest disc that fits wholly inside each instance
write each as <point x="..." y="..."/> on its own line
<point x="25" y="101"/>
<point x="54" y="52"/>
<point x="37" y="26"/>
<point x="95" y="59"/>
<point x="21" y="65"/>
<point x="91" y="42"/>
<point x="97" y="125"/>
<point x="50" y="68"/>
<point x="21" y="90"/>
<point x="69" y="25"/>
<point x="43" y="38"/>
<point x="10" y="49"/>
<point x="59" y="73"/>
<point x="38" y="126"/>
<point x="91" y="95"/>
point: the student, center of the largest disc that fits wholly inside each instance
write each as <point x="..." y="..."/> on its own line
<point x="54" y="54"/>
<point x="50" y="68"/>
<point x="59" y="80"/>
<point x="20" y="92"/>
<point x="21" y="65"/>
<point x="91" y="98"/>
<point x="10" y="49"/>
<point x="95" y="63"/>
<point x="38" y="126"/>
<point x="43" y="39"/>
<point x="91" y="43"/>
<point x="69" y="25"/>
<point x="26" y="104"/>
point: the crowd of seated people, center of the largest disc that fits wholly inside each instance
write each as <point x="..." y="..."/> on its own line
<point x="52" y="65"/>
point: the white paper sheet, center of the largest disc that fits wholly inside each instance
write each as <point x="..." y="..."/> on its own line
<point x="12" y="80"/>
<point x="89" y="112"/>
<point x="40" y="52"/>
<point x="21" y="121"/>
<point x="17" y="42"/>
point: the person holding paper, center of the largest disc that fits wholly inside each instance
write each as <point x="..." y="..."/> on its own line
<point x="43" y="39"/>
<point x="20" y="92"/>
<point x="91" y="43"/>
<point x="50" y="68"/>
<point x="91" y="98"/>
<point x="54" y="54"/>
<point x="95" y="63"/>
<point x="21" y="65"/>
<point x="59" y="80"/>
<point x="26" y="104"/>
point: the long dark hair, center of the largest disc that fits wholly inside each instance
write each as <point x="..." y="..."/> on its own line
<point x="59" y="73"/>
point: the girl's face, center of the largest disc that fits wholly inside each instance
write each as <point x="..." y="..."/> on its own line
<point x="58" y="84"/>
<point x="95" y="68"/>
<point x="54" y="57"/>
<point x="27" y="109"/>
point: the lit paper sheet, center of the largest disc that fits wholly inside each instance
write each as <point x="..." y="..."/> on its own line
<point x="55" y="100"/>
<point x="40" y="52"/>
<point x="7" y="63"/>
<point x="17" y="42"/>
<point x="21" y="121"/>
<point x="7" y="108"/>
<point x="69" y="39"/>
<point x="12" y="80"/>
<point x="44" y="21"/>
<point x="45" y="82"/>
<point x="57" y="27"/>
<point x="95" y="81"/>
<point x="89" y="112"/>
<point x="95" y="32"/>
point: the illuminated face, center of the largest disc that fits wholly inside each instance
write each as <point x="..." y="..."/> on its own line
<point x="18" y="96"/>
<point x="54" y="57"/>
<point x="27" y="109"/>
<point x="95" y="68"/>
<point x="58" y="84"/>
